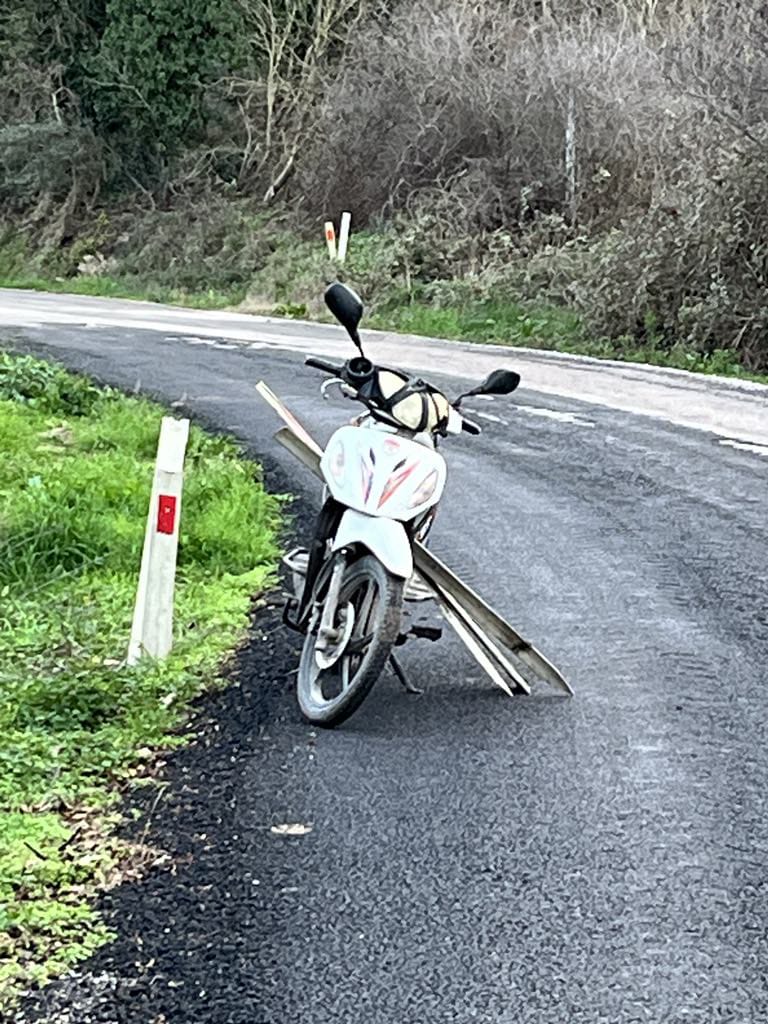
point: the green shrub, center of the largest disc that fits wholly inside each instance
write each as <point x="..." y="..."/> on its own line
<point x="51" y="160"/>
<point x="208" y="242"/>
<point x="46" y="387"/>
<point x="694" y="275"/>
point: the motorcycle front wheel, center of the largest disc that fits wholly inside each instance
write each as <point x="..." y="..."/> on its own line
<point x="368" y="620"/>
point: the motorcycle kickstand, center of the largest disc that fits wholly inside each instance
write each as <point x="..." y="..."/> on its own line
<point x="397" y="669"/>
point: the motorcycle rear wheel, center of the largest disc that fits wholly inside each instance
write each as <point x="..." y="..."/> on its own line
<point x="328" y="696"/>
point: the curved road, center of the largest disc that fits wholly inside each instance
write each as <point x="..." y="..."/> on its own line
<point x="472" y="858"/>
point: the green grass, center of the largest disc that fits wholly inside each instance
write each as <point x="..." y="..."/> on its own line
<point x="549" y="329"/>
<point x="76" y="466"/>
<point x="291" y="280"/>
<point x="129" y="287"/>
<point x="493" y="323"/>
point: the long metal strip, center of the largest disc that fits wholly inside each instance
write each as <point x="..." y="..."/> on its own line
<point x="288" y="417"/>
<point x="475" y="648"/>
<point x="444" y="597"/>
<point x="488" y="619"/>
<point x="294" y="444"/>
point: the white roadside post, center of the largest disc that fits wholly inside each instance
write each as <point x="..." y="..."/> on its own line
<point x="346" y="223"/>
<point x="152" y="629"/>
<point x="330" y="239"/>
<point x="570" y="158"/>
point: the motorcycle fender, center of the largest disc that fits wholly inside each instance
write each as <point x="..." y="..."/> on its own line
<point x="386" y="539"/>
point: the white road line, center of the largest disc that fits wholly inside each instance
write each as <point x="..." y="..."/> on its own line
<point x="554" y="414"/>
<point x="743" y="446"/>
<point x="493" y="419"/>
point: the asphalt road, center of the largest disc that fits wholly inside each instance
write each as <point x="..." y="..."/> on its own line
<point x="472" y="857"/>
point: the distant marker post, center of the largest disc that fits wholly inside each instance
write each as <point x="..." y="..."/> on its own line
<point x="346" y="223"/>
<point x="330" y="239"/>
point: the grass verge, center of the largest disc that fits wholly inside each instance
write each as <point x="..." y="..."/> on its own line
<point x="549" y="329"/>
<point x="76" y="725"/>
<point x="290" y="278"/>
<point x="130" y="287"/>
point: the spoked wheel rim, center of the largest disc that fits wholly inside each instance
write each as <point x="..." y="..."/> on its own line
<point x="375" y="599"/>
<point x="360" y="597"/>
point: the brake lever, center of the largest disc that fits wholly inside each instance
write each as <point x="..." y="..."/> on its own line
<point x="346" y="390"/>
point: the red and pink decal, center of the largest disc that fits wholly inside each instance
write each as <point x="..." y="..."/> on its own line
<point x="395" y="482"/>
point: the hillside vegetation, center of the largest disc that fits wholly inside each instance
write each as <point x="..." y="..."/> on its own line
<point x="502" y="159"/>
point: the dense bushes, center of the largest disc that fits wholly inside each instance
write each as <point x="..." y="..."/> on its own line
<point x="608" y="157"/>
<point x="697" y="274"/>
<point x="469" y="98"/>
<point x="145" y="82"/>
<point x="134" y="80"/>
<point x="656" y="230"/>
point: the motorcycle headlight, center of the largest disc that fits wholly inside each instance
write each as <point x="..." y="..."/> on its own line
<point x="425" y="490"/>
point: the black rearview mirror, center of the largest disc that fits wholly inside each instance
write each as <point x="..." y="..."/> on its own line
<point x="347" y="307"/>
<point x="498" y="382"/>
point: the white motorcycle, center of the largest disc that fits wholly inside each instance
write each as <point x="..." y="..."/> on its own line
<point x="383" y="480"/>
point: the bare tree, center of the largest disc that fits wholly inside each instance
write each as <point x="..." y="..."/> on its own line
<point x="462" y="91"/>
<point x="292" y="44"/>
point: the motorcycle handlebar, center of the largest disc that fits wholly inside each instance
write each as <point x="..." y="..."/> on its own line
<point x="318" y="364"/>
<point x="340" y="371"/>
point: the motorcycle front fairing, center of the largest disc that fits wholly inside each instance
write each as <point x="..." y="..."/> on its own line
<point x="381" y="473"/>
<point x="383" y="480"/>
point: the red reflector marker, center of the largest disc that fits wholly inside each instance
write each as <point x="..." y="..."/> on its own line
<point x="166" y="513"/>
